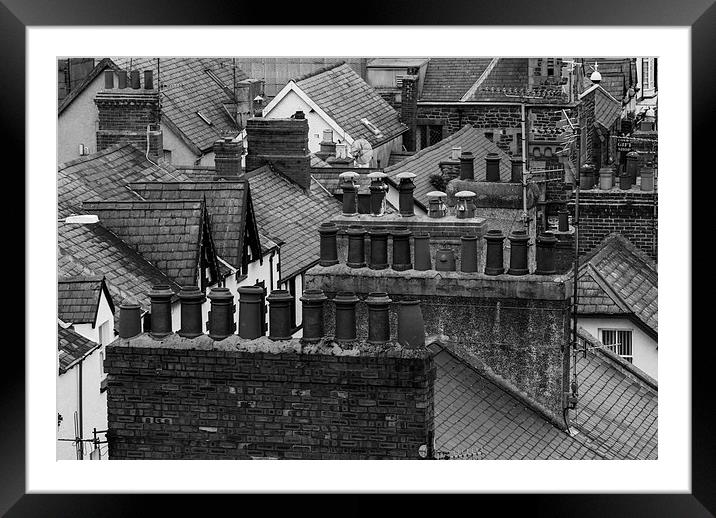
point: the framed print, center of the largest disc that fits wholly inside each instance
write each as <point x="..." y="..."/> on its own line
<point x="354" y="243"/>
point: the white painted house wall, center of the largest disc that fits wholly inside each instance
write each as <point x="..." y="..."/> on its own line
<point x="94" y="402"/>
<point x="644" y="348"/>
<point x="78" y="123"/>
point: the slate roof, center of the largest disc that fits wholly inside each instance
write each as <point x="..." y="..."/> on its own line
<point x="618" y="404"/>
<point x="427" y="160"/>
<point x="285" y="212"/>
<point x="617" y="278"/>
<point x="166" y="233"/>
<point x="485" y="79"/>
<point x="347" y="99"/>
<point x="475" y="415"/>
<point x="616" y="416"/>
<point x="105" y="175"/>
<point x="187" y="88"/>
<point x="78" y="298"/>
<point x="92" y="250"/>
<point x="228" y="203"/>
<point x="72" y="348"/>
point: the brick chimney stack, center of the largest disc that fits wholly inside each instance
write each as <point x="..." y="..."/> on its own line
<point x="282" y="143"/>
<point x="130" y="115"/>
<point x="227" y="157"/>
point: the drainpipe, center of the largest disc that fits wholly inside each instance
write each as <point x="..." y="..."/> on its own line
<point x="79" y="413"/>
<point x="524" y="169"/>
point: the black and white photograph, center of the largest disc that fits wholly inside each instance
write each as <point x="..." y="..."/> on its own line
<point x="359" y="258"/>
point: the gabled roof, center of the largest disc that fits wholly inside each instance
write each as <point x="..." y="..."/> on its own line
<point x="167" y="233"/>
<point x="474" y="415"/>
<point x="285" y="212"/>
<point x="187" y="88"/>
<point x="618" y="278"/>
<point x="92" y="250"/>
<point x="484" y="80"/>
<point x="78" y="298"/>
<point x="97" y="70"/>
<point x="228" y="203"/>
<point x="106" y="174"/>
<point x="346" y="98"/>
<point x="427" y="160"/>
<point x="618" y="403"/>
<point x="607" y="109"/>
<point x="72" y="348"/>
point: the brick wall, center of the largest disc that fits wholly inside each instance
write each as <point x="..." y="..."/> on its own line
<point x="489" y="117"/>
<point x="124" y="116"/>
<point x="237" y="399"/>
<point x="514" y="327"/>
<point x="631" y="213"/>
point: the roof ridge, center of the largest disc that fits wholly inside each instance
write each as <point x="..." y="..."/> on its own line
<point x="81" y="278"/>
<point x="318" y="72"/>
<point x="95" y="155"/>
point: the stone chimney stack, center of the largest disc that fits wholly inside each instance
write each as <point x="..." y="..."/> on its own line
<point x="281" y="143"/>
<point x="130" y="115"/>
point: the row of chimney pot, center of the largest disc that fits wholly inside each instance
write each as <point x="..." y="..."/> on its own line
<point x="444" y="257"/>
<point x="133" y="79"/>
<point x="221" y="324"/>
<point x="589" y="178"/>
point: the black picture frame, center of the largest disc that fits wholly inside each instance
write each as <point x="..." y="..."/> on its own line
<point x="700" y="15"/>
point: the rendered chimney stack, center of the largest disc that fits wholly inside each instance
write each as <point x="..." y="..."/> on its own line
<point x="492" y="167"/>
<point x="328" y="244"/>
<point x="221" y="316"/>
<point x="378" y="190"/>
<point x="378" y="249"/>
<point x="327" y="146"/>
<point x="545" y="254"/>
<point x="406" y="203"/>
<point x="280" y="302"/>
<point x="356" y="246"/>
<point x="345" y="303"/>
<point x="312" y="310"/>
<point x="378" y="318"/>
<point x="468" y="254"/>
<point x="411" y="327"/>
<point x="401" y="249"/>
<point x="161" y="303"/>
<point x="227" y="157"/>
<point x="421" y="247"/>
<point x="467" y="166"/>
<point x="518" y="253"/>
<point x="251" y="312"/>
<point x="350" y="192"/>
<point x="494" y="264"/>
<point x="130" y="323"/>
<point x="191" y="298"/>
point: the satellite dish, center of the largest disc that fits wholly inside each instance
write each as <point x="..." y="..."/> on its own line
<point x="362" y="151"/>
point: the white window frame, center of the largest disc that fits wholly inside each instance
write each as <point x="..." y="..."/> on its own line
<point x="648" y="87"/>
<point x="618" y="347"/>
